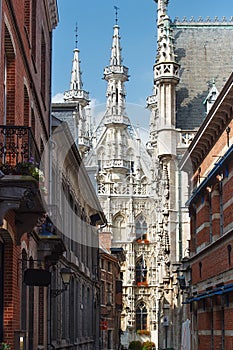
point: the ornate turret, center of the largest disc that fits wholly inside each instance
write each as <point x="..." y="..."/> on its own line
<point x="79" y="95"/>
<point x="165" y="52"/>
<point x="166" y="76"/>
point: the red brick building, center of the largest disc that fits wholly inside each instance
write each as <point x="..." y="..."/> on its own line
<point x="111" y="292"/>
<point x="25" y="60"/>
<point x="210" y="158"/>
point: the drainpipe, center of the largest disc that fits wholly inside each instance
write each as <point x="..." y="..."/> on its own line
<point x="212" y="324"/>
<point x="223" y="322"/>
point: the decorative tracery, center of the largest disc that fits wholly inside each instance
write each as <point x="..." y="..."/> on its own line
<point x="141" y="317"/>
<point x="141" y="271"/>
<point x="141" y="227"/>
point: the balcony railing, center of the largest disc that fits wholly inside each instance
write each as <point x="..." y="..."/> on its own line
<point x="17" y="144"/>
<point x="76" y="94"/>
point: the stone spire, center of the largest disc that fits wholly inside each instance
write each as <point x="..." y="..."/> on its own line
<point x="116" y="74"/>
<point x="165" y="34"/>
<point x="116" y="59"/>
<point x="76" y="81"/>
<point x="161" y="9"/>
<point x="77" y="94"/>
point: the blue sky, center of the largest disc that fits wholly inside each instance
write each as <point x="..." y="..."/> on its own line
<point x="137" y="20"/>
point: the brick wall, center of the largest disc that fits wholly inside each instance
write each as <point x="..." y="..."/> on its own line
<point x="105" y="239"/>
<point x="110" y="313"/>
<point x="213" y="263"/>
<point x="23" y="69"/>
<point x="21" y="98"/>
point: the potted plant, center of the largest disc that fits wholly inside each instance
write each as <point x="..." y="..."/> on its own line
<point x="142" y="284"/>
<point x="28" y="168"/>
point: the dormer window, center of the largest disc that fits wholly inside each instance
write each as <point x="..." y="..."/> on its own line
<point x="211" y="97"/>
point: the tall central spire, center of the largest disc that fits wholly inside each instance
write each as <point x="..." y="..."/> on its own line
<point x="116" y="74"/>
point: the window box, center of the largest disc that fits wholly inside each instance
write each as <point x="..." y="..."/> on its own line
<point x="143" y="332"/>
<point x="142" y="284"/>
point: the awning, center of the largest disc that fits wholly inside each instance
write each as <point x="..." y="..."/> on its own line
<point x="210" y="293"/>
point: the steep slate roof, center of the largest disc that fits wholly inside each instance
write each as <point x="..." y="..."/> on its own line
<point x="198" y="50"/>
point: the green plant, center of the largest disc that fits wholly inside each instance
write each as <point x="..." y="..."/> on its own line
<point x="135" y="345"/>
<point x="29" y="168"/>
<point x="23" y="168"/>
<point x="5" y="346"/>
<point x="148" y="345"/>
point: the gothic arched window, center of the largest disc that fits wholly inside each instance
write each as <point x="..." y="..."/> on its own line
<point x="26" y="107"/>
<point x="141" y="227"/>
<point x="27" y="16"/>
<point x="101" y="157"/>
<point x="9" y="80"/>
<point x="141" y="317"/>
<point x="119" y="227"/>
<point x="141" y="270"/>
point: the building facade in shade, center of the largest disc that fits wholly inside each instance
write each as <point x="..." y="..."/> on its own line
<point x="111" y="292"/>
<point x="76" y="213"/>
<point x="141" y="189"/>
<point x="25" y="58"/>
<point x="210" y="206"/>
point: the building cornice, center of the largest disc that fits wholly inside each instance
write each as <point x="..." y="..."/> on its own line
<point x="52" y="13"/>
<point x="212" y="127"/>
<point x="200" y="22"/>
<point x="212" y="175"/>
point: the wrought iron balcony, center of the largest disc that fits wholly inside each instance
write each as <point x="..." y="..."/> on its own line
<point x="116" y="70"/>
<point x="17" y="144"/>
<point x="19" y="193"/>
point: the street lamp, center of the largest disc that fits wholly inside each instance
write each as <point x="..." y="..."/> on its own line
<point x="66" y="274"/>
